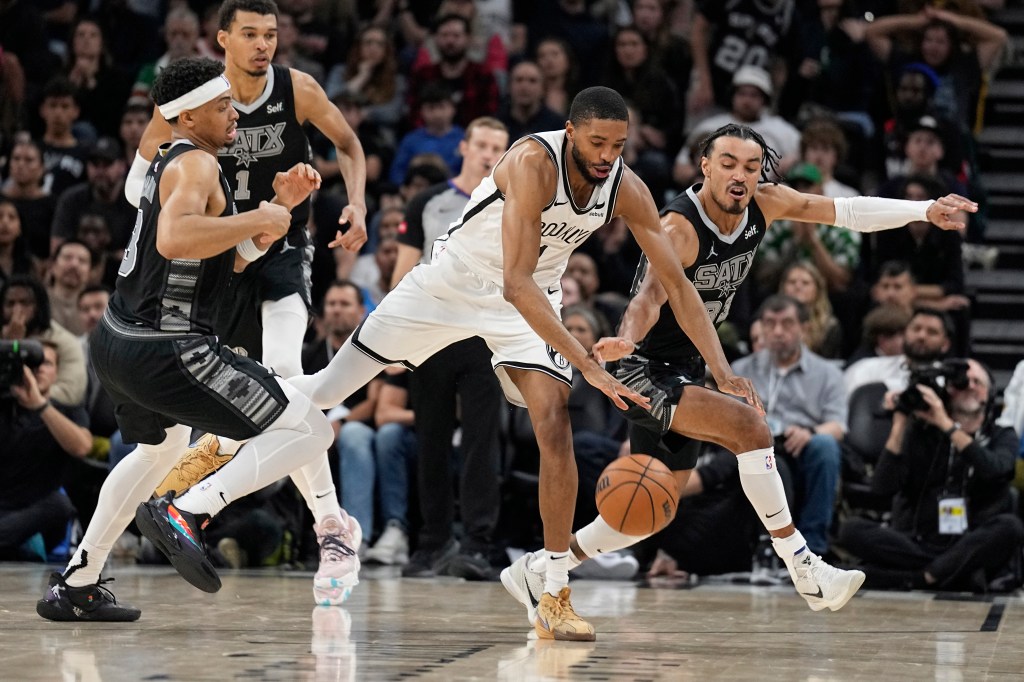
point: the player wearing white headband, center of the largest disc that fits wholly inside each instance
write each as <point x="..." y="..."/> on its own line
<point x="269" y="314"/>
<point x="159" y="359"/>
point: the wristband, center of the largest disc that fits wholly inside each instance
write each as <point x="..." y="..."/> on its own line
<point x="39" y="409"/>
<point x="948" y="433"/>
<point x="249" y="251"/>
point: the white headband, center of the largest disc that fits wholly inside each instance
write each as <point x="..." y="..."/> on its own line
<point x="195" y="98"/>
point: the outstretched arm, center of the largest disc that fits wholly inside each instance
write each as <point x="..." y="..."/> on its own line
<point x="863" y="214"/>
<point x="311" y="104"/>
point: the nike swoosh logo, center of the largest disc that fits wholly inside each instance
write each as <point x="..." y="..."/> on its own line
<point x="533" y="600"/>
<point x="320" y="497"/>
<point x="223" y="499"/>
<point x="768" y="516"/>
<point x="553" y="291"/>
<point x="559" y="203"/>
<point x="557" y="557"/>
<point x="817" y="594"/>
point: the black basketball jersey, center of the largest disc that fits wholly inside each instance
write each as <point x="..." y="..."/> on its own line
<point x="177" y="296"/>
<point x="722" y="264"/>
<point x="270" y="140"/>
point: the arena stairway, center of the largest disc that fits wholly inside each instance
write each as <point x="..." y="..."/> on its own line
<point x="997" y="330"/>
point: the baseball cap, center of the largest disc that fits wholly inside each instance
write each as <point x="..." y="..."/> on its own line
<point x="804" y="172"/>
<point x="753" y="75"/>
<point x="106" y="149"/>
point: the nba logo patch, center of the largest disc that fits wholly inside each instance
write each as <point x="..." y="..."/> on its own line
<point x="557" y="358"/>
<point x="769" y="462"/>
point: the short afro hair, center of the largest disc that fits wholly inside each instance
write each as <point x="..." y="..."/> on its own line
<point x="230" y="7"/>
<point x="182" y="76"/>
<point x="598" y="102"/>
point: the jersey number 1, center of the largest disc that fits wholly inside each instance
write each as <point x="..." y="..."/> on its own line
<point x="242" y="180"/>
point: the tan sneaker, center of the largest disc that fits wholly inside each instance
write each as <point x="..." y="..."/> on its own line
<point x="198" y="462"/>
<point x="557" y="620"/>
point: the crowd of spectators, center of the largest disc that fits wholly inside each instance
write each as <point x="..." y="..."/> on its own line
<point x="880" y="97"/>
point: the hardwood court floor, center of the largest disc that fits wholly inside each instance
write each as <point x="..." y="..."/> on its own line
<point x="263" y="626"/>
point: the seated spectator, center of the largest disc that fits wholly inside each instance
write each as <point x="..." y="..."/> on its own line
<point x="102" y="194"/>
<point x="941" y="37"/>
<point x="40" y="436"/>
<point x="608" y="305"/>
<point x="486" y="46"/>
<point x="25" y="187"/>
<point x="394" y="450"/>
<point x="370" y="268"/>
<point x="923" y="151"/>
<point x="927" y="339"/>
<point x="371" y="73"/>
<point x="524" y="110"/>
<point x="287" y="52"/>
<point x="72" y="265"/>
<point x="92" y="304"/>
<point x="94" y="233"/>
<point x="806" y="411"/>
<point x="474" y="91"/>
<point x="948" y="468"/>
<point x="835" y="253"/>
<point x="102" y="86"/>
<point x="822" y="333"/>
<point x="15" y="258"/>
<point x="134" y="120"/>
<point x="669" y="50"/>
<point x="437" y="134"/>
<point x="181" y="34"/>
<point x="63" y="153"/>
<point x="895" y="286"/>
<point x="823" y="145"/>
<point x="884" y="329"/>
<point x="561" y="74"/>
<point x="26" y="315"/>
<point x="752" y="91"/>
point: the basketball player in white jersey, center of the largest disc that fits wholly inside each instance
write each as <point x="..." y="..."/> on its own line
<point x="496" y="275"/>
<point x="268" y="315"/>
<point x="715" y="228"/>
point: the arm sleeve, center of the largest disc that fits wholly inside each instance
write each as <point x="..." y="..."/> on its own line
<point x="871" y="214"/>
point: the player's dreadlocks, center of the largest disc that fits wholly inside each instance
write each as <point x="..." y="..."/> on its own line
<point x="770" y="158"/>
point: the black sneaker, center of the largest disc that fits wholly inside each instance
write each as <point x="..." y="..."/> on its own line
<point x="179" y="535"/>
<point x="92" y="602"/>
<point x="427" y="563"/>
<point x="471" y="566"/>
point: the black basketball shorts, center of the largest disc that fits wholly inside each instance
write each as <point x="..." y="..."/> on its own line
<point x="156" y="382"/>
<point x="663" y="384"/>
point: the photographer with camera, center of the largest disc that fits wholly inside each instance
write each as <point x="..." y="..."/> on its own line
<point x="40" y="436"/>
<point x="26" y="315"/>
<point x="948" y="468"/>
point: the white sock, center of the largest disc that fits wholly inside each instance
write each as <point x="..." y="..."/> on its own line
<point x="127" y="486"/>
<point x="789" y="547"/>
<point x="315" y="483"/>
<point x="284" y="325"/>
<point x="556" y="573"/>
<point x="759" y="477"/>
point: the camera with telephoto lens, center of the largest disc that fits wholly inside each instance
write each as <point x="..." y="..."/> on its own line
<point x="938" y="376"/>
<point x="14" y="357"/>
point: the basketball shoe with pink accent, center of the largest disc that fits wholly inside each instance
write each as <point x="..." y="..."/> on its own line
<point x="338" y="573"/>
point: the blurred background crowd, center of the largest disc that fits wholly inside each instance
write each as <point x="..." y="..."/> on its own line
<point x="879" y="97"/>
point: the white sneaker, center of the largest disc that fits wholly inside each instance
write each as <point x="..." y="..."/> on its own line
<point x="338" y="572"/>
<point x="608" y="566"/>
<point x="392" y="547"/>
<point x="526" y="585"/>
<point x="820" y="584"/>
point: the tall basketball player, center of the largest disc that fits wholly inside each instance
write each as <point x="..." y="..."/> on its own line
<point x="496" y="275"/>
<point x="714" y="229"/>
<point x="157" y="355"/>
<point x="267" y="311"/>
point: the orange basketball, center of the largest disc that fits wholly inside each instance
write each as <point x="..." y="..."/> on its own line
<point x="637" y="495"/>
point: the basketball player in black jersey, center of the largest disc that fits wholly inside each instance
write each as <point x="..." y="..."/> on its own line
<point x="715" y="229"/>
<point x="267" y="310"/>
<point x="158" y="357"/>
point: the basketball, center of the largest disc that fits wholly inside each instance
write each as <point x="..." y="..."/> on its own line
<point x="637" y="495"/>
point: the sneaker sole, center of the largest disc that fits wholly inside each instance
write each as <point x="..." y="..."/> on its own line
<point x="858" y="580"/>
<point x="330" y="595"/>
<point x="513" y="589"/>
<point x="544" y="633"/>
<point x="201" y="574"/>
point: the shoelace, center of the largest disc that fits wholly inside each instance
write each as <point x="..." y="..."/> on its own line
<point x="335" y="547"/>
<point x="106" y="593"/>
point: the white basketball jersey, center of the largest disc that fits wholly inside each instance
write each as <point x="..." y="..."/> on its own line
<point x="475" y="239"/>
